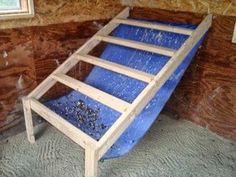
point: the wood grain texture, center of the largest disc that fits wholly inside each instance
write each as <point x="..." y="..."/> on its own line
<point x="207" y="93"/>
<point x="55" y="43"/>
<point x="17" y="72"/>
<point x="29" y="55"/>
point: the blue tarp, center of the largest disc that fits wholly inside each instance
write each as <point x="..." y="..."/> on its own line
<point x="95" y="118"/>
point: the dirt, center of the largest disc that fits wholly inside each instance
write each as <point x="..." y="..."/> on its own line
<point x="173" y="148"/>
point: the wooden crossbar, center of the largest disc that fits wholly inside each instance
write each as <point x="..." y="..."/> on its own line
<point x="147" y="94"/>
<point x="136" y="74"/>
<point x="61" y="124"/>
<point x="137" y="45"/>
<point x="94" y="150"/>
<point x="44" y="86"/>
<point x="96" y="94"/>
<point x="155" y="26"/>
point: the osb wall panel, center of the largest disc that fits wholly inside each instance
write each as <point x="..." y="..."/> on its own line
<point x="221" y="7"/>
<point x="17" y="73"/>
<point x="208" y="97"/>
<point x="207" y="93"/>
<point x="43" y="47"/>
<point x="61" y="11"/>
<point x="55" y="43"/>
<point x="28" y="55"/>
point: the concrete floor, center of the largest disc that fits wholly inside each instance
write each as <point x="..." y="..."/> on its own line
<point x="172" y="148"/>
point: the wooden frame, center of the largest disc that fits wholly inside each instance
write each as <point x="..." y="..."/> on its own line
<point x="137" y="45"/>
<point x="26" y="11"/>
<point x="136" y="74"/>
<point x="156" y="26"/>
<point x="94" y="150"/>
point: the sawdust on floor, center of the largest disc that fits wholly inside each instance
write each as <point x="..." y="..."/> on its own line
<point x="172" y="148"/>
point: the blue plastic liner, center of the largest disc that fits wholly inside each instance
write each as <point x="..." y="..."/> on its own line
<point x="95" y="118"/>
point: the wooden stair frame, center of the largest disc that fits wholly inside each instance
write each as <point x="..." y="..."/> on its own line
<point x="94" y="149"/>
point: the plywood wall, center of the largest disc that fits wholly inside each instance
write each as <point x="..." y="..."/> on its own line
<point x="207" y="93"/>
<point x="221" y="7"/>
<point x="62" y="11"/>
<point x="32" y="48"/>
<point x="28" y="55"/>
<point x="17" y="72"/>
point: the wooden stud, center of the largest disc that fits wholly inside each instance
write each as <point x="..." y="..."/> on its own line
<point x="136" y="74"/>
<point x="43" y="87"/>
<point x="28" y="120"/>
<point x="91" y="162"/>
<point x="79" y="137"/>
<point x="155" y="26"/>
<point x="137" y="45"/>
<point x="111" y="26"/>
<point x="147" y="94"/>
<point x="96" y="94"/>
<point x="95" y="150"/>
<point x="62" y="125"/>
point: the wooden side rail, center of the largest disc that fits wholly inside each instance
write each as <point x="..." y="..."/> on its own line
<point x="96" y="94"/>
<point x="44" y="86"/>
<point x="137" y="45"/>
<point x="94" y="150"/>
<point x="61" y="124"/>
<point x="155" y="26"/>
<point x="91" y="160"/>
<point x="146" y="95"/>
<point x="136" y="74"/>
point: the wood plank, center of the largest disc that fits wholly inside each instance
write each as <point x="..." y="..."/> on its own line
<point x="147" y="94"/>
<point x="206" y="94"/>
<point x="66" y="38"/>
<point x="111" y="26"/>
<point x="155" y="26"/>
<point x="96" y="94"/>
<point x="28" y="120"/>
<point x="136" y="74"/>
<point x="44" y="86"/>
<point x="107" y="29"/>
<point x="212" y="71"/>
<point x="137" y="45"/>
<point x="91" y="162"/>
<point x="62" y="125"/>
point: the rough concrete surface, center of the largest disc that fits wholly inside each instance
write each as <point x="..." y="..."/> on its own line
<point x="172" y="148"/>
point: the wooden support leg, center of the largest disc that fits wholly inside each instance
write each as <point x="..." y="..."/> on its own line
<point x="28" y="120"/>
<point x="91" y="163"/>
